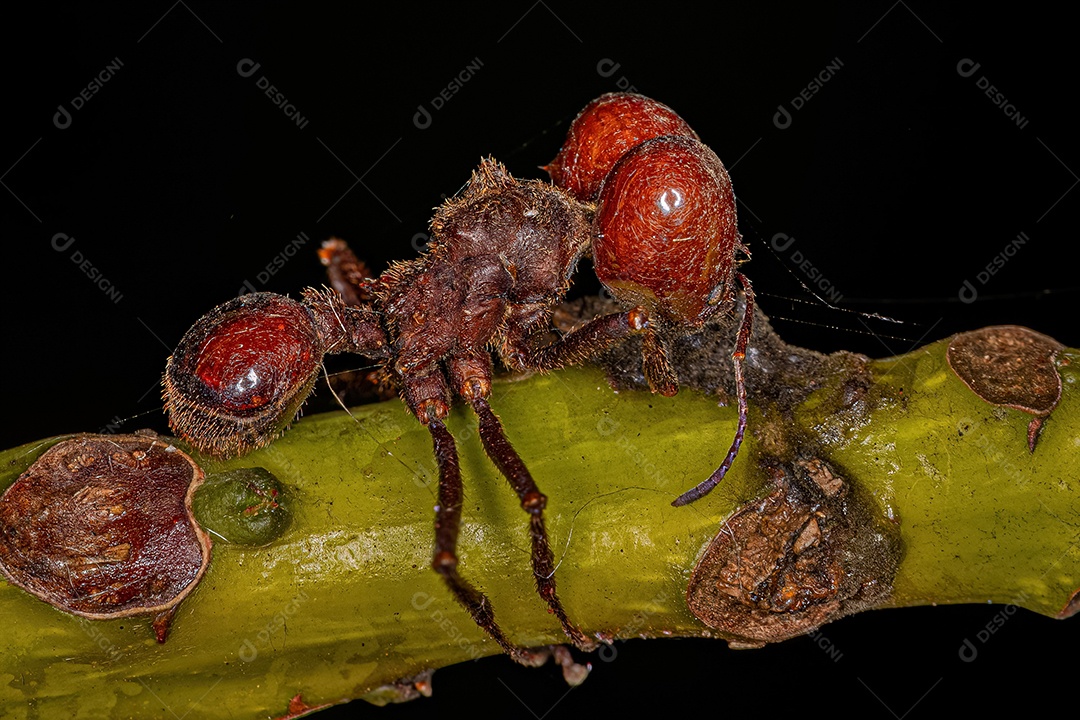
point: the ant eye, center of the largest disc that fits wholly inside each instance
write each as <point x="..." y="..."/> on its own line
<point x="603" y="132"/>
<point x="665" y="232"/>
<point x="241" y="373"/>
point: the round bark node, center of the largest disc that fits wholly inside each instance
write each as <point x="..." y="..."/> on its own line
<point x="101" y="527"/>
<point x="808" y="553"/>
<point x="1009" y="365"/>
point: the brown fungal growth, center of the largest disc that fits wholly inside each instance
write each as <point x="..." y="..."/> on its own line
<point x="806" y="554"/>
<point x="1010" y="366"/>
<point x="101" y="527"/>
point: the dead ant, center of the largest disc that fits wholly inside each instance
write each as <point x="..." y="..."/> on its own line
<point x="662" y="232"/>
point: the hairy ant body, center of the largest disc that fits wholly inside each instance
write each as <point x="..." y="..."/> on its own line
<point x="501" y="260"/>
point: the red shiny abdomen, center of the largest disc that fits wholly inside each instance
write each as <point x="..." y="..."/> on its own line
<point x="604" y="131"/>
<point x="250" y="360"/>
<point x="666" y="231"/>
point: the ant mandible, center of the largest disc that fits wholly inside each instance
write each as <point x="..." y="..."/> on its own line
<point x="633" y="185"/>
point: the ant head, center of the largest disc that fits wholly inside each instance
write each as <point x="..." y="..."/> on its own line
<point x="241" y="373"/>
<point x="665" y="233"/>
<point x="605" y="130"/>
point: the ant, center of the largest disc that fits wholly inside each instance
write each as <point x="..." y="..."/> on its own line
<point x="633" y="186"/>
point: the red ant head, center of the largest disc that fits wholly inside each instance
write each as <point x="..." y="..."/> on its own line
<point x="603" y="132"/>
<point x="240" y="374"/>
<point x="665" y="233"/>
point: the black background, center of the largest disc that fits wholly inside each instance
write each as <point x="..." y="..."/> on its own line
<point x="899" y="180"/>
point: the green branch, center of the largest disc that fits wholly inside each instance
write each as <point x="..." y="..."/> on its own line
<point x="344" y="602"/>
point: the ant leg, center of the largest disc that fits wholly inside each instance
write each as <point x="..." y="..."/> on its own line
<point x="472" y="376"/>
<point x="654" y="359"/>
<point x="426" y="396"/>
<point x="737" y="358"/>
<point x="445" y="561"/>
<point x="348" y="274"/>
<point x="533" y="502"/>
<point x="586" y="340"/>
<point x="526" y="321"/>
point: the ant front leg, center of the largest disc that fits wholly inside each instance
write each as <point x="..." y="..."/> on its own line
<point x="428" y="398"/>
<point x="472" y="378"/>
<point x="586" y="340"/>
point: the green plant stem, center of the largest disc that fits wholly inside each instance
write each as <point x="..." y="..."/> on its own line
<point x="345" y="601"/>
